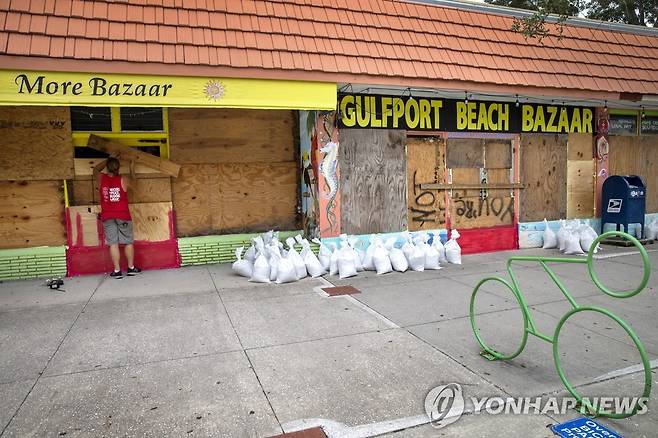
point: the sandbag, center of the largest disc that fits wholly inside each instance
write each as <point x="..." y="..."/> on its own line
<point x="275" y="255"/>
<point x="651" y="230"/>
<point x="296" y="259"/>
<point x="549" y="237"/>
<point x="438" y="246"/>
<point x="313" y="265"/>
<point x="367" y="261"/>
<point x="408" y="249"/>
<point x="453" y="250"/>
<point x="417" y="259"/>
<point x="587" y="237"/>
<point x="562" y="236"/>
<point x="241" y="266"/>
<point x="333" y="264"/>
<point x="285" y="270"/>
<point x="261" y="271"/>
<point x="381" y="260"/>
<point x="398" y="261"/>
<point x="250" y="255"/>
<point x="324" y="256"/>
<point x="346" y="266"/>
<point x="572" y="244"/>
<point x="431" y="257"/>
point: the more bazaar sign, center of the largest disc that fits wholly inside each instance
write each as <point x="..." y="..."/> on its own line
<point x="451" y="115"/>
<point x="87" y="89"/>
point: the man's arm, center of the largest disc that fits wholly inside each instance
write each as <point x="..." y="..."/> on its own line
<point x="97" y="170"/>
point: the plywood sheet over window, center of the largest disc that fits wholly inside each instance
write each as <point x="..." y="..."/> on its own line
<point x="425" y="165"/>
<point x="465" y="152"/>
<point x="31" y="214"/>
<point x="35" y="143"/>
<point x="373" y="181"/>
<point x="544" y="177"/>
<point x="637" y="155"/>
<point x="231" y="135"/>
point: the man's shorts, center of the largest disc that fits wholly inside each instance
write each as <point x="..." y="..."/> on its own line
<point x="118" y="231"/>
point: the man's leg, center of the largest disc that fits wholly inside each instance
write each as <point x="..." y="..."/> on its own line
<point x="130" y="255"/>
<point x="115" y="255"/>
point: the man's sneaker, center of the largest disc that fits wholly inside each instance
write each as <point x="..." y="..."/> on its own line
<point x="116" y="274"/>
<point x="133" y="271"/>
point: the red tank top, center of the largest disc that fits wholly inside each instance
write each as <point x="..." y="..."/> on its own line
<point x="114" y="200"/>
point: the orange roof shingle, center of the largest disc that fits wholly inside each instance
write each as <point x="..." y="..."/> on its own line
<point x="339" y="40"/>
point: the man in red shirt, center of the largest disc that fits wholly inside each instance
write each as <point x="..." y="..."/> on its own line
<point x="115" y="215"/>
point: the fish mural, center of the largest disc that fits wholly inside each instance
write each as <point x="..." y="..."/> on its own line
<point x="329" y="170"/>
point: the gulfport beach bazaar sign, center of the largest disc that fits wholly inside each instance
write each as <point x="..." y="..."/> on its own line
<point x="450" y="115"/>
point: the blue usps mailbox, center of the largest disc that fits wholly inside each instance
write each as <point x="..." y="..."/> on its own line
<point x="623" y="201"/>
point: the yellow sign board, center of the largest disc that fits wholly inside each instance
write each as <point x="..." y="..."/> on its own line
<point x="85" y="89"/>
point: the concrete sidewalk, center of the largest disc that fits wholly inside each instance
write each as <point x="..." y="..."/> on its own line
<point x="200" y="352"/>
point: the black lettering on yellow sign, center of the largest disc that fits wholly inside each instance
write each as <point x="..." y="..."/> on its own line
<point x="450" y="115"/>
<point x="550" y="118"/>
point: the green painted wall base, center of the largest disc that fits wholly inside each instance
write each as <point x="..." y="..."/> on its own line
<point x="36" y="262"/>
<point x="204" y="250"/>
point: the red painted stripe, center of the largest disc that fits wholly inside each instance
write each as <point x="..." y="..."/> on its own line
<point x="478" y="240"/>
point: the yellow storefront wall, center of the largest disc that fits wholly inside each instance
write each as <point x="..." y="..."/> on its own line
<point x="86" y="89"/>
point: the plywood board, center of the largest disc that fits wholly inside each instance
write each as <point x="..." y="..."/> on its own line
<point x="151" y="221"/>
<point x="425" y="164"/>
<point x="580" y="205"/>
<point x="544" y="177"/>
<point x="373" y="181"/>
<point x="131" y="154"/>
<point x="580" y="188"/>
<point x="254" y="197"/>
<point x="465" y="152"/>
<point x="36" y="143"/>
<point x="498" y="154"/>
<point x="231" y="135"/>
<point x="84" y="168"/>
<point x="191" y="193"/>
<point x="476" y="212"/>
<point x="85" y="192"/>
<point x="31" y="214"/>
<point x="465" y="176"/>
<point x="637" y="155"/>
<point x="649" y="148"/>
<point x="579" y="146"/>
<point x="498" y="176"/>
<point x="84" y="225"/>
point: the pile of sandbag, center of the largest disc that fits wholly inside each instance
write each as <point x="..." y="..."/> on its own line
<point x="573" y="237"/>
<point x="267" y="260"/>
<point x="384" y="255"/>
<point x="651" y="230"/>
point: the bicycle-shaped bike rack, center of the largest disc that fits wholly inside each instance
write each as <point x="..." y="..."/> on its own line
<point x="530" y="327"/>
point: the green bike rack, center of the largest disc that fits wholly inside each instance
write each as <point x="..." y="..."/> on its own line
<point x="489" y="353"/>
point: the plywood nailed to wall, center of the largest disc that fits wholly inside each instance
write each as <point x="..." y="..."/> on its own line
<point x="580" y="176"/>
<point x="85" y="191"/>
<point x="31" y="214"/>
<point x="151" y="223"/>
<point x="498" y="154"/>
<point x="373" y="181"/>
<point x="465" y="152"/>
<point x="637" y="155"/>
<point x="425" y="164"/>
<point x="580" y="146"/>
<point x="36" y="143"/>
<point x="84" y="169"/>
<point x="231" y="198"/>
<point x="544" y="177"/>
<point x="231" y="135"/>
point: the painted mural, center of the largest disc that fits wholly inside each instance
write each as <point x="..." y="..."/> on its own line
<point x="601" y="149"/>
<point x="309" y="163"/>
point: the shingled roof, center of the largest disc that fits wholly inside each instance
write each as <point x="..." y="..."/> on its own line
<point x="356" y="41"/>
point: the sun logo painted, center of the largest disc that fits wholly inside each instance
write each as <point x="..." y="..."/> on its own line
<point x="214" y="90"/>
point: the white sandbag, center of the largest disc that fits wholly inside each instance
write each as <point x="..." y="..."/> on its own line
<point x="562" y="236"/>
<point x="261" y="271"/>
<point x="358" y="256"/>
<point x="550" y="238"/>
<point x="324" y="255"/>
<point x="453" y="250"/>
<point x="431" y="257"/>
<point x="346" y="266"/>
<point x="381" y="260"/>
<point x="296" y="259"/>
<point x="267" y="237"/>
<point x="398" y="260"/>
<point x="367" y="261"/>
<point x="651" y="230"/>
<point x="250" y="255"/>
<point x="438" y="246"/>
<point x="572" y="244"/>
<point x="285" y="270"/>
<point x="241" y="266"/>
<point x="417" y="259"/>
<point x="587" y="237"/>
<point x="408" y="250"/>
<point x="275" y="255"/>
<point x="313" y="265"/>
<point x="333" y="264"/>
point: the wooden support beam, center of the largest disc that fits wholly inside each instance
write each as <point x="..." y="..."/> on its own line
<point x="470" y="186"/>
<point x="131" y="154"/>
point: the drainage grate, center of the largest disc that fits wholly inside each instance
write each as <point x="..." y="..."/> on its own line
<point x="341" y="290"/>
<point x="316" y="432"/>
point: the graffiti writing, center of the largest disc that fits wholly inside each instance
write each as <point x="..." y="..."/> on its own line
<point x="426" y="205"/>
<point x="490" y="206"/>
